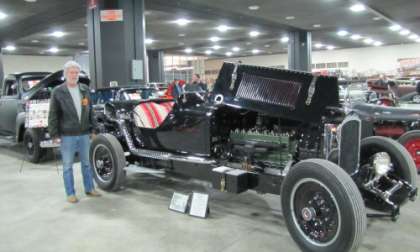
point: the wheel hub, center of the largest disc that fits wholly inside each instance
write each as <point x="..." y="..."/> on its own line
<point x="308" y="213"/>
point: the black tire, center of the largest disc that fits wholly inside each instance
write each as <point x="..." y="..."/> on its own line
<point x="403" y="167"/>
<point x="31" y="142"/>
<point x="108" y="162"/>
<point x="405" y="140"/>
<point x="332" y="194"/>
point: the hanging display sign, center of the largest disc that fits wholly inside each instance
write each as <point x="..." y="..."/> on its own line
<point x="111" y="15"/>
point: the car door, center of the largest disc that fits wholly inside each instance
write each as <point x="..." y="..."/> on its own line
<point x="9" y="102"/>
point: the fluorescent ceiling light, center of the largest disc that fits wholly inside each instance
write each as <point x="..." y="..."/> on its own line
<point x="214" y="39"/>
<point x="405" y="32"/>
<point x="223" y="28"/>
<point x="255" y="51"/>
<point x="284" y="39"/>
<point x="342" y="33"/>
<point x="148" y="41"/>
<point x="53" y="50"/>
<point x="355" y="37"/>
<point x="413" y="36"/>
<point x="377" y="18"/>
<point x="330" y="47"/>
<point x="368" y="41"/>
<point x="378" y="43"/>
<point x="81" y="44"/>
<point x="10" y="48"/>
<point x="30" y="1"/>
<point x="57" y="34"/>
<point x="395" y="27"/>
<point x="290" y="17"/>
<point x="2" y="15"/>
<point x="208" y="52"/>
<point x="357" y="7"/>
<point x="316" y="25"/>
<point x="182" y="21"/>
<point x="228" y="54"/>
<point x="216" y="47"/>
<point x="188" y="50"/>
<point x="418" y="40"/>
<point x="236" y="49"/>
<point x="318" y="45"/>
<point x="267" y="46"/>
<point x="253" y="7"/>
<point x="254" y="33"/>
<point x="181" y="35"/>
<point x="35" y="41"/>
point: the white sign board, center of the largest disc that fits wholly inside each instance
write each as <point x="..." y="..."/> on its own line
<point x="199" y="205"/>
<point x="36" y="115"/>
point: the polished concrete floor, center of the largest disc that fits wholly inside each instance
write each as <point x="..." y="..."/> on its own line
<point x="34" y="216"/>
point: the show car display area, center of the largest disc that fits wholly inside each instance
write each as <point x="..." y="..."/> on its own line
<point x="271" y="131"/>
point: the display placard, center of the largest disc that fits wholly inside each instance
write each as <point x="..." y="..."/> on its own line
<point x="199" y="205"/>
<point x="179" y="202"/>
<point x="36" y="115"/>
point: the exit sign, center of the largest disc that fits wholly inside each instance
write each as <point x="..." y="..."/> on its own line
<point x="111" y="15"/>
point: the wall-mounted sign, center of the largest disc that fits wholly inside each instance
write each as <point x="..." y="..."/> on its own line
<point x="111" y="15"/>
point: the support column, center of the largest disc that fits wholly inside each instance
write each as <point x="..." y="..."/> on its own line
<point x="156" y="65"/>
<point x="116" y="33"/>
<point x="300" y="51"/>
<point x="1" y="68"/>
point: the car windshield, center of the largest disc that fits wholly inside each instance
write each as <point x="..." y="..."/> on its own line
<point x="30" y="82"/>
<point x="139" y="94"/>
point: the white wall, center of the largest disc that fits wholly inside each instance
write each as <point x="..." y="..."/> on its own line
<point x="25" y="63"/>
<point x="361" y="60"/>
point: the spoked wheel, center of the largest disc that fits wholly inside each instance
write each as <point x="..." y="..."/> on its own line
<point x="402" y="168"/>
<point x="108" y="162"/>
<point x="322" y="207"/>
<point x="411" y="141"/>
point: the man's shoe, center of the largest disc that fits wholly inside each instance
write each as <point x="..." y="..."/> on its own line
<point x="72" y="199"/>
<point x="93" y="193"/>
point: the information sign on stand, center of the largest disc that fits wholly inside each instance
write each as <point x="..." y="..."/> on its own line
<point x="179" y="202"/>
<point x="200" y="205"/>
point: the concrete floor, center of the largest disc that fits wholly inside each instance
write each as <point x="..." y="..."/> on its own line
<point x="34" y="216"/>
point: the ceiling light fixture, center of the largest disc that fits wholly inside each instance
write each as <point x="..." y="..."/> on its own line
<point x="395" y="27"/>
<point x="3" y="15"/>
<point x="413" y="36"/>
<point x="267" y="46"/>
<point x="181" y="35"/>
<point x="30" y="1"/>
<point x="405" y="32"/>
<point x="330" y="47"/>
<point x="290" y="17"/>
<point x="208" y="52"/>
<point x="284" y="39"/>
<point x="342" y="33"/>
<point x="214" y="39"/>
<point x="254" y="7"/>
<point x="355" y="37"/>
<point x="81" y="44"/>
<point x="368" y="41"/>
<point x="216" y="47"/>
<point x="148" y="41"/>
<point x="319" y="45"/>
<point x="223" y="28"/>
<point x="377" y="43"/>
<point x="316" y="25"/>
<point x="188" y="50"/>
<point x="254" y="33"/>
<point x="228" y="54"/>
<point x="236" y="49"/>
<point x="358" y="7"/>
<point x="418" y="40"/>
<point x="53" y="50"/>
<point x="10" y="48"/>
<point x="255" y="51"/>
<point x="35" y="41"/>
<point x="182" y="21"/>
<point x="377" y="18"/>
<point x="57" y="34"/>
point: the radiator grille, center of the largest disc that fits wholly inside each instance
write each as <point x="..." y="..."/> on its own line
<point x="267" y="90"/>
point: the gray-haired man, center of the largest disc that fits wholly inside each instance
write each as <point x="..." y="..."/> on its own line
<point x="70" y="122"/>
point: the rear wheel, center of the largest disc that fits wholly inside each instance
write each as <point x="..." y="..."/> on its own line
<point x="322" y="207"/>
<point x="411" y="141"/>
<point x="108" y="162"/>
<point x="31" y="143"/>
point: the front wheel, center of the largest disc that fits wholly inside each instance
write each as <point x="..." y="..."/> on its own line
<point x="411" y="141"/>
<point x="322" y="207"/>
<point x="108" y="162"/>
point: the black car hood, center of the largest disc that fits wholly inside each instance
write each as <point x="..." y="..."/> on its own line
<point x="372" y="112"/>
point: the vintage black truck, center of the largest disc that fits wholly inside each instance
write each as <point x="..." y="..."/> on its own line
<point x="17" y="91"/>
<point x="268" y="130"/>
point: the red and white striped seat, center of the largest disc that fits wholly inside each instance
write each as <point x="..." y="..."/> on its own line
<point x="151" y="115"/>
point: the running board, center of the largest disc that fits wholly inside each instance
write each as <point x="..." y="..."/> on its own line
<point x="169" y="156"/>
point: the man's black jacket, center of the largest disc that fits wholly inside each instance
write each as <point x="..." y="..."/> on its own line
<point x="63" y="119"/>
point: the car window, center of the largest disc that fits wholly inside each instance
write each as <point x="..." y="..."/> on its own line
<point x="29" y="83"/>
<point x="10" y="88"/>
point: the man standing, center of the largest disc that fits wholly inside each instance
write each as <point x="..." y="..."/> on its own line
<point x="70" y="122"/>
<point x="196" y="85"/>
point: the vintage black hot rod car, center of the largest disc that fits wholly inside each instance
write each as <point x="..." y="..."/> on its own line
<point x="268" y="130"/>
